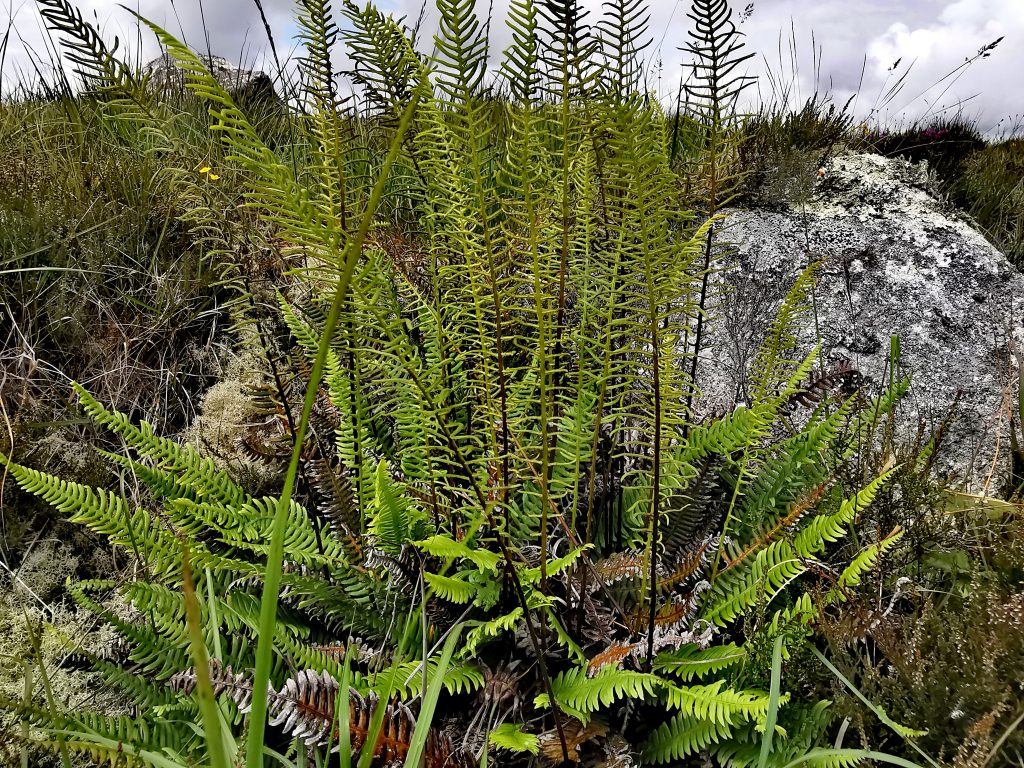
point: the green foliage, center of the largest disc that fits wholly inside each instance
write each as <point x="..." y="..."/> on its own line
<point x="990" y="187"/>
<point x="514" y="739"/>
<point x="783" y="148"/>
<point x="486" y="421"/>
<point x="945" y="142"/>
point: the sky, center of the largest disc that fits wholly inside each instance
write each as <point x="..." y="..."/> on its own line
<point x="844" y="47"/>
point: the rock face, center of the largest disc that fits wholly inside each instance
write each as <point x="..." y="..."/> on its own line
<point x="244" y="85"/>
<point x="897" y="261"/>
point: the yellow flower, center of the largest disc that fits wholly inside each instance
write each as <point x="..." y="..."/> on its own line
<point x="214" y="177"/>
<point x="205" y="169"/>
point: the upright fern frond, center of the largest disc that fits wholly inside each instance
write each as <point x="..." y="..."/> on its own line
<point x="775" y="359"/>
<point x="624" y="37"/>
<point x="380" y="56"/>
<point x="716" y="45"/>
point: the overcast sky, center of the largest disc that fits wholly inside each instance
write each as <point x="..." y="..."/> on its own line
<point x="931" y="38"/>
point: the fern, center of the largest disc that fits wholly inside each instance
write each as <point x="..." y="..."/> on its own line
<point x="691" y="662"/>
<point x="717" y="704"/>
<point x="512" y="738"/>
<point x="683" y="736"/>
<point x="488" y="416"/>
<point x="581" y="695"/>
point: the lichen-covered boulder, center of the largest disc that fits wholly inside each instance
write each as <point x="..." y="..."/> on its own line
<point x="244" y="85"/>
<point x="898" y="261"/>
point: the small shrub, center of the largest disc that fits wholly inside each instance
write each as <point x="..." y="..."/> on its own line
<point x="990" y="187"/>
<point x="948" y="665"/>
<point x="946" y="143"/>
<point x="781" y="150"/>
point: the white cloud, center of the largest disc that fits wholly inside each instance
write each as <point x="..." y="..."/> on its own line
<point x="933" y="56"/>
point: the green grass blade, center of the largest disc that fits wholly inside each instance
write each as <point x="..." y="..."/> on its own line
<point x="344" y="734"/>
<point x="419" y="736"/>
<point x="773" y="704"/>
<point x="275" y="557"/>
<point x="851" y="756"/>
<point x="879" y="712"/>
<point x="204" y="689"/>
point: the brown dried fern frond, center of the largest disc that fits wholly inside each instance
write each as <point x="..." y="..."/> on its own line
<point x="793" y="516"/>
<point x="841" y="377"/>
<point x="620" y="566"/>
<point x="675" y="614"/>
<point x="691" y="562"/>
<point x="237" y="685"/>
<point x="615" y="654"/>
<point x="306" y="708"/>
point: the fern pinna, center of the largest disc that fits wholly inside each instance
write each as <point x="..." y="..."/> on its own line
<point x="486" y="423"/>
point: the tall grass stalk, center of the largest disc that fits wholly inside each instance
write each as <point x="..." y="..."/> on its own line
<point x="215" y="745"/>
<point x="773" y="704"/>
<point x="275" y="557"/>
<point x="902" y="731"/>
<point x="426" y="716"/>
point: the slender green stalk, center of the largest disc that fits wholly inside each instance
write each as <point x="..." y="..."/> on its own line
<point x="773" y="704"/>
<point x="51" y="701"/>
<point x="344" y="733"/>
<point x="275" y="557"/>
<point x="201" y="664"/>
<point x="879" y="712"/>
<point x="433" y="691"/>
<point x="848" y="757"/>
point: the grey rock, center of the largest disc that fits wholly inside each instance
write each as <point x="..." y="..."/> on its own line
<point x="244" y="85"/>
<point x="897" y="261"/>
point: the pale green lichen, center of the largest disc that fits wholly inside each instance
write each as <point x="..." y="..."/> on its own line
<point x="226" y="411"/>
<point x="39" y="633"/>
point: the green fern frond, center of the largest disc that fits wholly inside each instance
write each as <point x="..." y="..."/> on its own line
<point x="683" y="736"/>
<point x="692" y="661"/>
<point x="182" y="460"/>
<point x="581" y="695"/>
<point x="382" y="61"/>
<point x="775" y="359"/>
<point x="831" y="527"/>
<point x="451" y="588"/>
<point x="718" y="703"/>
<point x="866" y="560"/>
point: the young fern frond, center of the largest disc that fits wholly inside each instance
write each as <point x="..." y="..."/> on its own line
<point x="581" y="694"/>
<point x="380" y="55"/>
<point x="681" y="737"/>
<point x="715" y="44"/>
<point x="776" y="356"/>
<point x="497" y="420"/>
<point x="624" y="36"/>
<point x="461" y="55"/>
<point x="319" y="32"/>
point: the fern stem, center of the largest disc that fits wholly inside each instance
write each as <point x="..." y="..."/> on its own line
<point x="656" y="483"/>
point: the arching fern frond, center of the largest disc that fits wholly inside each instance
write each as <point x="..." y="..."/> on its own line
<point x="683" y="736"/>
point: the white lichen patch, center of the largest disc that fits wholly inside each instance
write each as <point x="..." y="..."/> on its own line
<point x="40" y="630"/>
<point x="45" y="568"/>
<point x="225" y="410"/>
